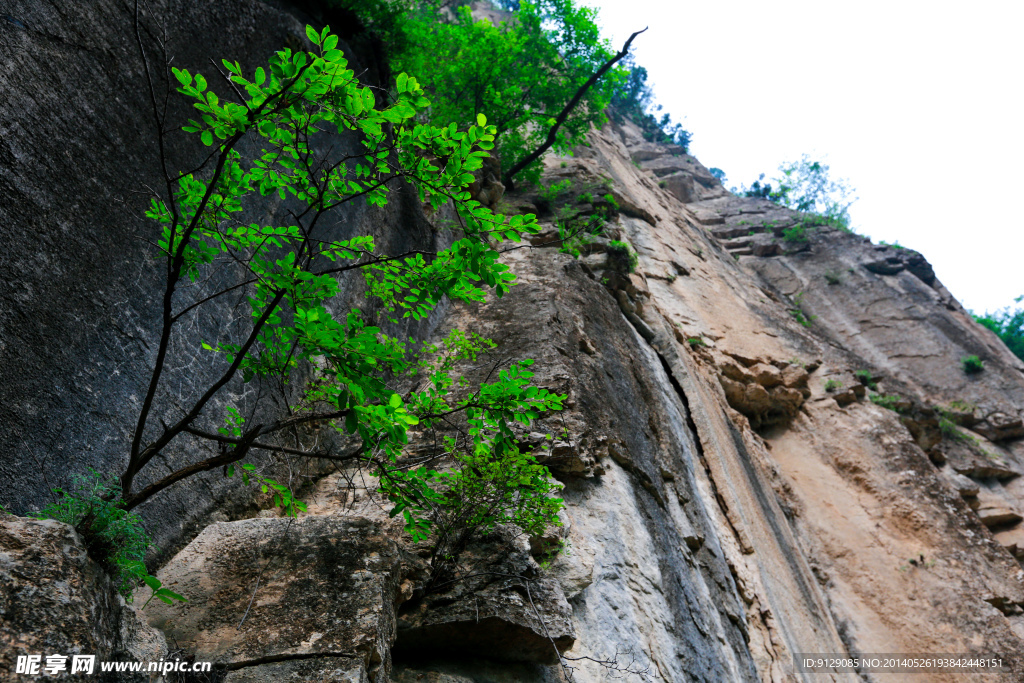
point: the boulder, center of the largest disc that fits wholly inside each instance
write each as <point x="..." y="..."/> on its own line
<point x="54" y="599"/>
<point x="267" y="597"/>
<point x="1000" y="427"/>
<point x="496" y="609"/>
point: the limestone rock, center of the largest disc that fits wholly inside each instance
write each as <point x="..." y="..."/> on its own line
<point x="55" y="600"/>
<point x="320" y="589"/>
<point x="1000" y="427"/>
<point x="493" y="611"/>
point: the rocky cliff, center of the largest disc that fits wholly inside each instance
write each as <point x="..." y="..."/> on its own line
<point x="734" y="496"/>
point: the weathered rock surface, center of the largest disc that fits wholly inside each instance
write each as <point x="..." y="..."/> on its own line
<point x="271" y="598"/>
<point x="55" y="600"/>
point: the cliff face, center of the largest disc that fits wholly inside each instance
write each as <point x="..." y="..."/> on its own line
<point x="732" y="496"/>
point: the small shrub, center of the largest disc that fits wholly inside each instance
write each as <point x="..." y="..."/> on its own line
<point x="795" y="234"/>
<point x="113" y="537"/>
<point x="972" y="365"/>
<point x="555" y="190"/>
<point x="563" y="164"/>
<point x="833" y="277"/>
<point x="622" y="257"/>
<point x="833" y="384"/>
<point x="585" y="198"/>
<point x="887" y="401"/>
<point x="798" y="312"/>
<point x="696" y="342"/>
<point x="950" y="430"/>
<point x="962" y="406"/>
<point x="662" y="184"/>
<point x="547" y="557"/>
<point x="894" y="245"/>
<point x="867" y="379"/>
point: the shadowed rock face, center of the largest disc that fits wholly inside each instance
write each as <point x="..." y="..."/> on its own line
<point x="81" y="295"/>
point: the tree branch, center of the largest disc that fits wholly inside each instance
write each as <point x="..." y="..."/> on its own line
<point x="564" y="114"/>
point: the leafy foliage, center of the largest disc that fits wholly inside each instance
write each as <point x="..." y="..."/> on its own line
<point x="288" y="274"/>
<point x="867" y="379"/>
<point x="622" y="257"/>
<point x="805" y="185"/>
<point x="1008" y="326"/>
<point x="972" y="365"/>
<point x="888" y="401"/>
<point x="113" y="537"/>
<point x="520" y="73"/>
<point x="833" y="384"/>
<point x="798" y="312"/>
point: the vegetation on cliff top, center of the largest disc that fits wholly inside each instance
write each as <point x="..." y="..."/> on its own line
<point x="1008" y="326"/>
<point x="805" y="185"/>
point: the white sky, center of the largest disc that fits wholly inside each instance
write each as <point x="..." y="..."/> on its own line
<point x="917" y="104"/>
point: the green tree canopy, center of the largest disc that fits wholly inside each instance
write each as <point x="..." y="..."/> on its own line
<point x="805" y="185"/>
<point x="1008" y="325"/>
<point x="519" y="72"/>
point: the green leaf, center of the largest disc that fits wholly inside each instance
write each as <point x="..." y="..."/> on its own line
<point x="313" y="36"/>
<point x="481" y="120"/>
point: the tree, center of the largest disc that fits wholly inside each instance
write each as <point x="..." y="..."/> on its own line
<point x="805" y="185"/>
<point x="347" y="369"/>
<point x="633" y="98"/>
<point x="1008" y="326"/>
<point x="543" y="77"/>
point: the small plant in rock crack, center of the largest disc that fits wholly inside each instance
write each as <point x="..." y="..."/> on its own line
<point x="889" y="402"/>
<point x="918" y="562"/>
<point x="585" y="198"/>
<point x="795" y="234"/>
<point x="621" y="257"/>
<point x="696" y="343"/>
<point x="951" y="430"/>
<point x="798" y="312"/>
<point x="833" y="384"/>
<point x="114" y="537"/>
<point x="552" y="192"/>
<point x="576" y="232"/>
<point x="972" y="365"/>
<point x="833" y="277"/>
<point x="548" y="557"/>
<point x="867" y="379"/>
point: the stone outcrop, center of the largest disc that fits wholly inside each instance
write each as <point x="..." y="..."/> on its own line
<point x="275" y="597"/>
<point x="55" y="600"/>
